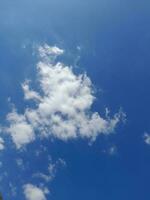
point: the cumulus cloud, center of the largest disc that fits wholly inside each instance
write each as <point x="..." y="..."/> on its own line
<point x="62" y="107"/>
<point x="21" y="131"/>
<point x="33" y="192"/>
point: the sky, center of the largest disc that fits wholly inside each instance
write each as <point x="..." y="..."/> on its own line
<point x="74" y="99"/>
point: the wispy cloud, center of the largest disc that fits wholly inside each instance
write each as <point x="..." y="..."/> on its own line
<point x="51" y="170"/>
<point x="147" y="138"/>
<point x="2" y="145"/>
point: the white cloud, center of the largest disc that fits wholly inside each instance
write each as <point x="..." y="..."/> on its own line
<point x="147" y="138"/>
<point x="51" y="170"/>
<point x="29" y="94"/>
<point x="21" y="131"/>
<point x="33" y="192"/>
<point x="63" y="106"/>
<point x="2" y="146"/>
<point x="45" y="177"/>
<point x="49" y="53"/>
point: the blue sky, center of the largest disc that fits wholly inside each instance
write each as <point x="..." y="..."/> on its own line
<point x="109" y="40"/>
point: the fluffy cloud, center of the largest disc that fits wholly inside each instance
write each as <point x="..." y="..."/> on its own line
<point x="62" y="107"/>
<point x="32" y="192"/>
<point x="21" y="131"/>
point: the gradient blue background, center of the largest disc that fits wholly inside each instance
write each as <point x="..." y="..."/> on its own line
<point x="114" y="37"/>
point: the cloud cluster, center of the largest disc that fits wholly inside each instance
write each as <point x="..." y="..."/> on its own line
<point x="62" y="105"/>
